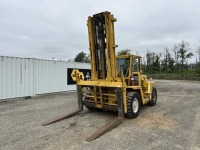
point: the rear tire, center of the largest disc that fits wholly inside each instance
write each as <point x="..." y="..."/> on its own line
<point x="133" y="104"/>
<point x="153" y="100"/>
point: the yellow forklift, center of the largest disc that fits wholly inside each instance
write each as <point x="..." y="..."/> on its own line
<point x="116" y="82"/>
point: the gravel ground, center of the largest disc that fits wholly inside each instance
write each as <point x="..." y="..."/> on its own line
<point x="174" y="123"/>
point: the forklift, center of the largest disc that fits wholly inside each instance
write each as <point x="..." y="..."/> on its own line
<point x="117" y="82"/>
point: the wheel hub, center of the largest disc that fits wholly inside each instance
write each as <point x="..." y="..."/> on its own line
<point x="135" y="105"/>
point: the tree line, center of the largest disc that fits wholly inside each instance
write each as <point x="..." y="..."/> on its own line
<point x="171" y="60"/>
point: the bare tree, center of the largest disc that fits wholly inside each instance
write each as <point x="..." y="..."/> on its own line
<point x="176" y="54"/>
<point x="198" y="52"/>
<point x="183" y="48"/>
<point x="168" y="61"/>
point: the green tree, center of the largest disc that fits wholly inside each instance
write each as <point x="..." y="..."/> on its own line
<point x="124" y="52"/>
<point x="198" y="53"/>
<point x="198" y="68"/>
<point x="168" y="61"/>
<point x="198" y="62"/>
<point x="183" y="53"/>
<point x="82" y="57"/>
<point x="153" y="62"/>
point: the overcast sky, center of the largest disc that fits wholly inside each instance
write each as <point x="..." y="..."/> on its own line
<point x="58" y="28"/>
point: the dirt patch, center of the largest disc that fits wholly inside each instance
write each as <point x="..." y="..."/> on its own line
<point x="156" y="121"/>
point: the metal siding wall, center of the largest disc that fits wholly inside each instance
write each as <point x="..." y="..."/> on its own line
<point x="21" y="77"/>
<point x="1" y="77"/>
<point x="15" y="77"/>
<point x="51" y="76"/>
<point x="45" y="78"/>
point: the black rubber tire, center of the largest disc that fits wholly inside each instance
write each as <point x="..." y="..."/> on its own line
<point x="153" y="100"/>
<point x="131" y="97"/>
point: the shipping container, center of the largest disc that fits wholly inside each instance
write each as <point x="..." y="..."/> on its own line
<point x="21" y="77"/>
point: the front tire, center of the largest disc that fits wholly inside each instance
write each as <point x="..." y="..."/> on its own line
<point x="133" y="104"/>
<point x="153" y="100"/>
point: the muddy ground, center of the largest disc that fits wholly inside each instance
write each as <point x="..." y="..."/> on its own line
<point x="174" y="123"/>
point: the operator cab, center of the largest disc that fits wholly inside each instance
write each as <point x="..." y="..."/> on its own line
<point x="124" y="62"/>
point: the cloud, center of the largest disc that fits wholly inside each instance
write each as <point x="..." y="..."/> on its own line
<point x="49" y="28"/>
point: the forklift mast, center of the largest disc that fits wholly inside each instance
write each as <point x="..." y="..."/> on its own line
<point x="102" y="46"/>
